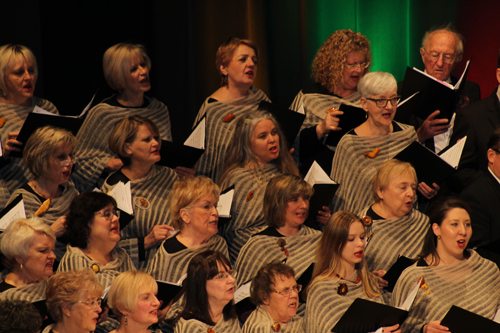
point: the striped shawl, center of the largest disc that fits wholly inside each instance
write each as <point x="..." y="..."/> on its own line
<point x="260" y="321"/>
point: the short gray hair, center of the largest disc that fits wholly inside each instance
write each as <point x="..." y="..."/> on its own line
<point x="448" y="28"/>
<point x="377" y="83"/>
<point x="18" y="237"/>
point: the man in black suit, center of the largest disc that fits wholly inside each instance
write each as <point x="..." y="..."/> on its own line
<point x="441" y="51"/>
<point x="483" y="197"/>
<point x="478" y="122"/>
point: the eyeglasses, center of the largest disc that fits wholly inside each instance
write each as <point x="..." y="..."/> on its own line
<point x="357" y="65"/>
<point x="208" y="207"/>
<point x="108" y="214"/>
<point x="288" y="291"/>
<point x="382" y="102"/>
<point x="67" y="161"/>
<point x="495" y="150"/>
<point x="93" y="304"/>
<point x="224" y="275"/>
<point x="447" y="58"/>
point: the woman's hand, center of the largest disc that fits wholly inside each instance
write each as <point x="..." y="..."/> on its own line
<point x="159" y="233"/>
<point x="323" y="215"/>
<point x="381" y="282"/>
<point x="427" y="191"/>
<point x="183" y="172"/>
<point x="393" y="329"/>
<point x="12" y="144"/>
<point x="113" y="164"/>
<point x="59" y="226"/>
<point x="163" y="312"/>
<point x="330" y="123"/>
<point x="435" y="327"/>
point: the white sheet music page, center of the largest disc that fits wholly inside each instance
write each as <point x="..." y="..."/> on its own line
<point x="406" y="100"/>
<point x="38" y="109"/>
<point x="225" y="202"/>
<point x="197" y="137"/>
<point x="123" y="196"/>
<point x="452" y="155"/>
<point x="316" y="175"/>
<point x="411" y="297"/>
<point x="242" y="292"/>
<point x="301" y="109"/>
<point x="15" y="213"/>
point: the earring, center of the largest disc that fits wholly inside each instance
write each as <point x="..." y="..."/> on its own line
<point x="21" y="267"/>
<point x="126" y="320"/>
<point x="439" y="237"/>
<point x="366" y="115"/>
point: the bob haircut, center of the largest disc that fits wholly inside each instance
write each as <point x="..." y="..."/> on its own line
<point x="8" y="54"/>
<point x="125" y="131"/>
<point x="81" y="214"/>
<point x="377" y="83"/>
<point x="126" y="289"/>
<point x="201" y="268"/>
<point x="437" y="213"/>
<point x="446" y="28"/>
<point x="263" y="282"/>
<point x="279" y="191"/>
<point x="19" y="317"/>
<point x="117" y="62"/>
<point x="329" y="253"/>
<point x="42" y="145"/>
<point x="389" y="170"/>
<point x="20" y="235"/>
<point x="240" y="150"/>
<point x="226" y="51"/>
<point x="329" y="63"/>
<point x="185" y="193"/>
<point x="69" y="287"/>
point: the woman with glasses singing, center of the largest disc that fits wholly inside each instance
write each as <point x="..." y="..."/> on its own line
<point x="286" y="204"/>
<point x="74" y="301"/>
<point x="18" y="76"/>
<point x="137" y="141"/>
<point x="362" y="151"/>
<point x="340" y="63"/>
<point x="340" y="274"/>
<point x="209" y="293"/>
<point x="276" y="294"/>
<point x="48" y="155"/>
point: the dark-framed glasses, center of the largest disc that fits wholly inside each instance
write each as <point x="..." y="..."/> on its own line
<point x="93" y="304"/>
<point x="357" y="65"/>
<point x="447" y="58"/>
<point x="382" y="102"/>
<point x="288" y="291"/>
<point x="108" y="214"/>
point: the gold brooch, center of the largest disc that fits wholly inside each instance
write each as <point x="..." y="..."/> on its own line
<point x="276" y="327"/>
<point x="96" y="268"/>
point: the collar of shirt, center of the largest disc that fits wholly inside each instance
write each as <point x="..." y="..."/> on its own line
<point x="448" y="80"/>
<point x="493" y="174"/>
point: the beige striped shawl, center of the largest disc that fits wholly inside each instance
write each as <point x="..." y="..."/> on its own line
<point x="473" y="285"/>
<point x="325" y="306"/>
<point x="31" y="292"/>
<point x="218" y="133"/>
<point x="247" y="216"/>
<point x="354" y="172"/>
<point x="75" y="259"/>
<point x="155" y="187"/>
<point x="58" y="207"/>
<point x="171" y="267"/>
<point x="396" y="237"/>
<point x="196" y="326"/>
<point x="14" y="173"/>
<point x="260" y="321"/>
<point x="261" y="250"/>
<point x="93" y="151"/>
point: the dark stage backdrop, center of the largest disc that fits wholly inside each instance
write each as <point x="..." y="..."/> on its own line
<point x="182" y="36"/>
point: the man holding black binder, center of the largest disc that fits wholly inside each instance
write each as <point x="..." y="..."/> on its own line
<point x="441" y="51"/>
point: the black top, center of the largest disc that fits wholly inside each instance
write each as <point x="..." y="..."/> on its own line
<point x="117" y="177"/>
<point x="269" y="231"/>
<point x="373" y="215"/>
<point x="113" y="101"/>
<point x="5" y="286"/>
<point x="172" y="245"/>
<point x="422" y="263"/>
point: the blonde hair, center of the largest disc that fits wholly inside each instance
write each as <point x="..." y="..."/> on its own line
<point x="67" y="287"/>
<point x="8" y="54"/>
<point x="126" y="289"/>
<point x="42" y="145"/>
<point x="117" y="60"/>
<point x="185" y="193"/>
<point x="329" y="253"/>
<point x="328" y="65"/>
<point x="389" y="170"/>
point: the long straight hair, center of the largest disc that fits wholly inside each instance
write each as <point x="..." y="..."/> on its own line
<point x="329" y="253"/>
<point x="240" y="151"/>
